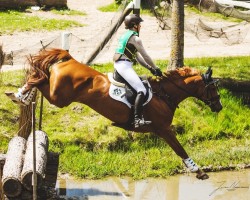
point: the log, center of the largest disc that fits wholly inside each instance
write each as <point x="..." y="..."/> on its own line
<point x="11" y="179"/>
<point x="7" y="4"/>
<point x="234" y="3"/>
<point x="41" y="160"/>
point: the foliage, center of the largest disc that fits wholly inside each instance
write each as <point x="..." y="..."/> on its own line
<point x="12" y="21"/>
<point x="90" y="147"/>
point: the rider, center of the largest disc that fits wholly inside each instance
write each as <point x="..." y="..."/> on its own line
<point x="129" y="49"/>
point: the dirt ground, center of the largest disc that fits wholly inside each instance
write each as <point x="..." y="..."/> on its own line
<point x="155" y="40"/>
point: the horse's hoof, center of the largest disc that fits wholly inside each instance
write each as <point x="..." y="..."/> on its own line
<point x="202" y="176"/>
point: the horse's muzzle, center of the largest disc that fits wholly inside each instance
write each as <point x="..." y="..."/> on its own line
<point x="216" y="107"/>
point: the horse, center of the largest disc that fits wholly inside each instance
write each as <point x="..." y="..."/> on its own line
<point x="62" y="80"/>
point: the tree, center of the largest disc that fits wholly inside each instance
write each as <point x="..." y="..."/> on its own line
<point x="177" y="35"/>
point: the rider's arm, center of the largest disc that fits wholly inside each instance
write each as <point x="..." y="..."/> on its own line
<point x="142" y="56"/>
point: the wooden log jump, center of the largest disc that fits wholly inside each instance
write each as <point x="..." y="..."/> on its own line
<point x="49" y="180"/>
<point x="46" y="167"/>
<point x="11" y="179"/>
<point x="41" y="160"/>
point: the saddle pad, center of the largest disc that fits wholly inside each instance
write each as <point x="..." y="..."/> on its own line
<point x="118" y="93"/>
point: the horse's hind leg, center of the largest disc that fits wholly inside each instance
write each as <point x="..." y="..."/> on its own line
<point x="169" y="136"/>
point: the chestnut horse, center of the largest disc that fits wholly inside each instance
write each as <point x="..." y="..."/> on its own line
<point x="62" y="80"/>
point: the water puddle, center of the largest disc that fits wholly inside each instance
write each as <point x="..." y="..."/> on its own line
<point x="220" y="186"/>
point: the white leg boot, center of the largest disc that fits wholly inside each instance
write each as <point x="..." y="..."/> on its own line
<point x="20" y="98"/>
<point x="190" y="164"/>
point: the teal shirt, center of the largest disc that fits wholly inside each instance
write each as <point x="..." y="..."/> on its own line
<point x="124" y="40"/>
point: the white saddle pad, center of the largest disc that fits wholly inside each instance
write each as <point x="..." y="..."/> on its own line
<point x="118" y="92"/>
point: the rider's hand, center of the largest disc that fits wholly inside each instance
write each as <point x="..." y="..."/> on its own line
<point x="156" y="71"/>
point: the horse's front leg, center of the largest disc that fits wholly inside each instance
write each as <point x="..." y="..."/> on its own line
<point x="169" y="136"/>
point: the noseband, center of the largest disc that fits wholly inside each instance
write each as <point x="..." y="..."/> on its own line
<point x="213" y="100"/>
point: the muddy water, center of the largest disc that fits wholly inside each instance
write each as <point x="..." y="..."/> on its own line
<point x="220" y="186"/>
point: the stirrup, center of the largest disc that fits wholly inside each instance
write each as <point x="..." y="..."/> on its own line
<point x="190" y="164"/>
<point x="22" y="99"/>
<point x="140" y="122"/>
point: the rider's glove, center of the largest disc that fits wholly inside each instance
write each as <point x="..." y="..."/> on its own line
<point x="156" y="71"/>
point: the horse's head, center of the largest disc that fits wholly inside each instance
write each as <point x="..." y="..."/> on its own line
<point x="210" y="95"/>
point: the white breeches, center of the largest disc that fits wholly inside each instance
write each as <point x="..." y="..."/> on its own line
<point x="125" y="69"/>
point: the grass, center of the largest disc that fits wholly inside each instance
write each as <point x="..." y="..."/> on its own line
<point x="113" y="7"/>
<point x="90" y="147"/>
<point x="16" y="21"/>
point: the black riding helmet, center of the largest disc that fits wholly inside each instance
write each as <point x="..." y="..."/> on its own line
<point x="131" y="20"/>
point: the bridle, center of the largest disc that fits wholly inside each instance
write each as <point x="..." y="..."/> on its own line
<point x="214" y="99"/>
<point x="208" y="101"/>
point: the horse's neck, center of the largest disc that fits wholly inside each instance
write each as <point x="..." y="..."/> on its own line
<point x="187" y="87"/>
<point x="176" y="90"/>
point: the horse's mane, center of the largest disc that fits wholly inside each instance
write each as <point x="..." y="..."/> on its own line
<point x="41" y="63"/>
<point x="182" y="72"/>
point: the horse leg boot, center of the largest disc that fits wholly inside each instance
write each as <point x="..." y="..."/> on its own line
<point x="23" y="96"/>
<point x="139" y="120"/>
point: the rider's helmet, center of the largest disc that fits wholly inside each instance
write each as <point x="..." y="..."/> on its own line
<point x="131" y="20"/>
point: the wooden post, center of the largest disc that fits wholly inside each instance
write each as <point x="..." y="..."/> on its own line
<point x="137" y="6"/>
<point x="11" y="179"/>
<point x="34" y="177"/>
<point x="25" y="119"/>
<point x="65" y="40"/>
<point x="41" y="160"/>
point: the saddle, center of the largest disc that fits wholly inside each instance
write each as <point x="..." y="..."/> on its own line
<point x="121" y="90"/>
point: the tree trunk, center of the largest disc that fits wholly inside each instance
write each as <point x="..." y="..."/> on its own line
<point x="26" y="3"/>
<point x="11" y="179"/>
<point x="177" y="35"/>
<point x="41" y="159"/>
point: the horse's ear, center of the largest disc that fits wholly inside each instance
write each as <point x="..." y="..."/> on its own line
<point x="208" y="75"/>
<point x="209" y="72"/>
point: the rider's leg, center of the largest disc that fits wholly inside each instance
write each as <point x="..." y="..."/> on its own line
<point x="126" y="70"/>
<point x="138" y="107"/>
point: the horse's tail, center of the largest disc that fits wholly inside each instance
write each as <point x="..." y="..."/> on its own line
<point x="40" y="64"/>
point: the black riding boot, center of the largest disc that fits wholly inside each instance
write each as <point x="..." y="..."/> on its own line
<point x="139" y="121"/>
